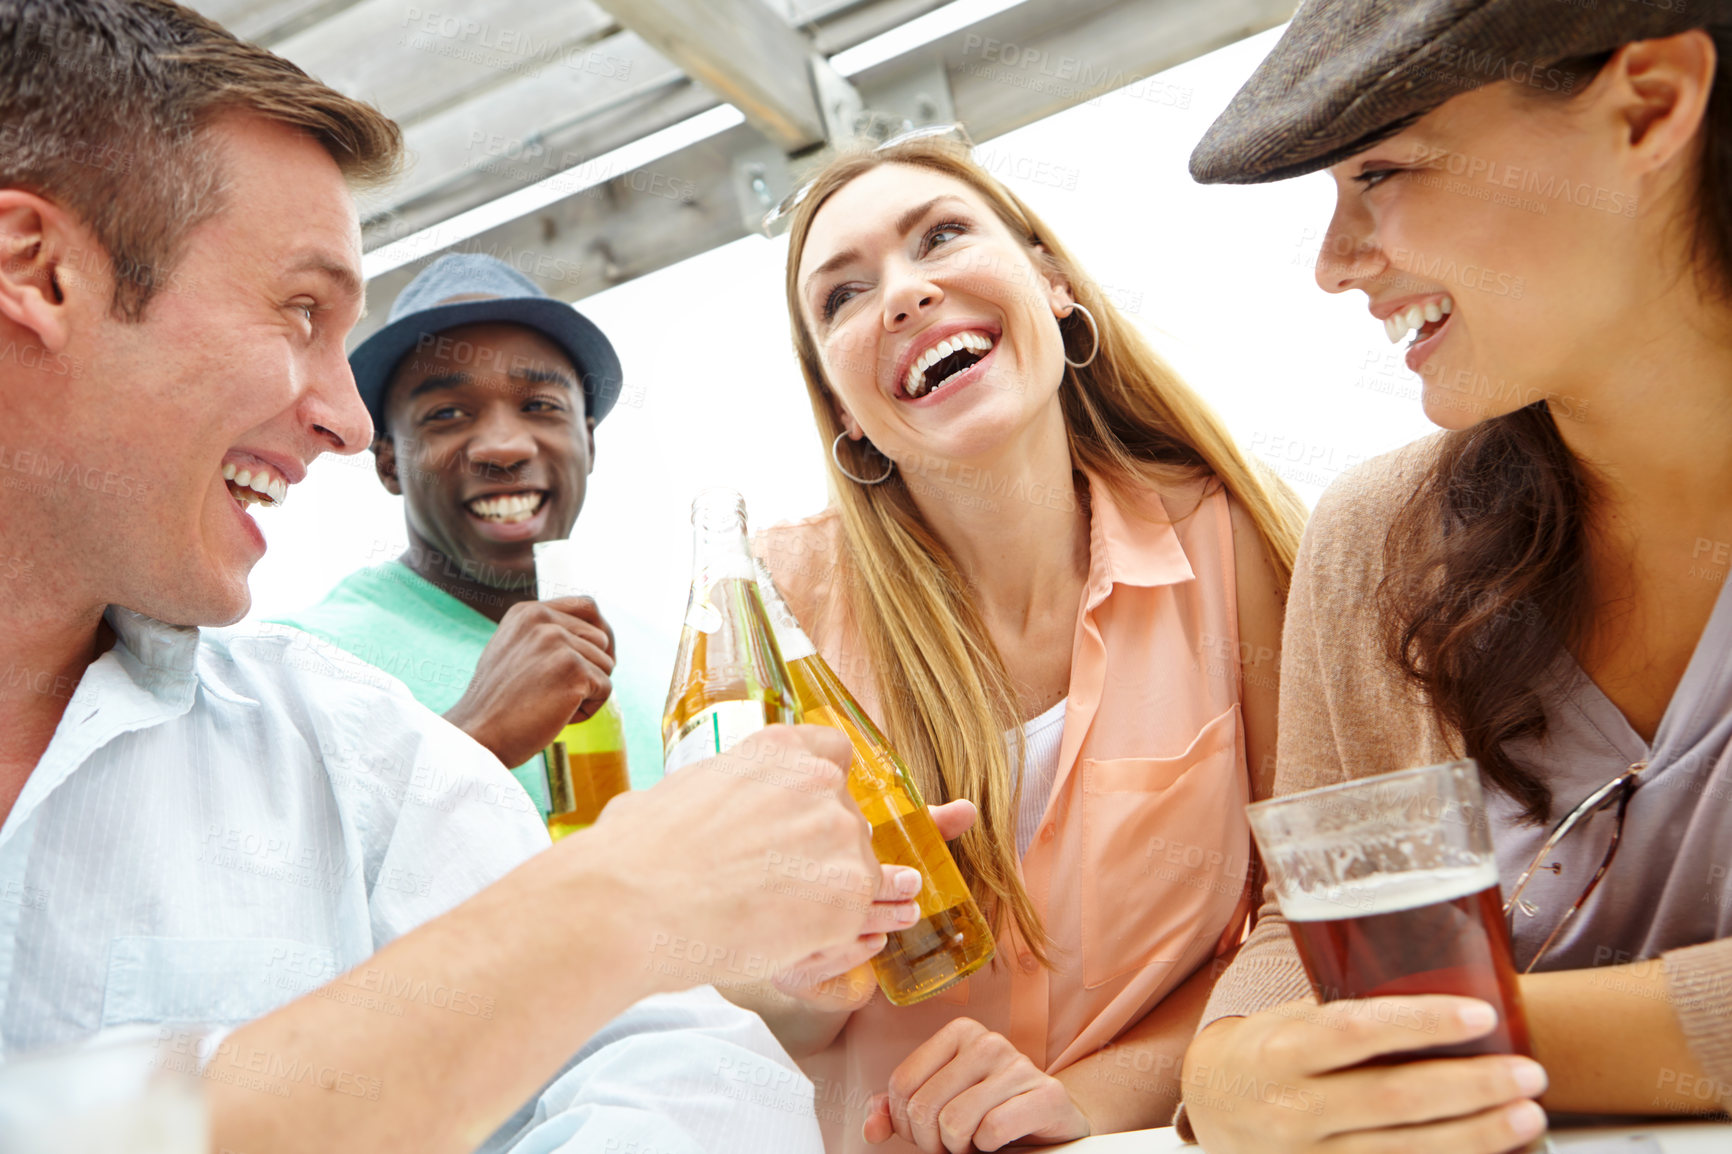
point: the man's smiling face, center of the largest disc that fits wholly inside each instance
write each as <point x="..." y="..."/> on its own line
<point x="487" y="440"/>
<point x="237" y="366"/>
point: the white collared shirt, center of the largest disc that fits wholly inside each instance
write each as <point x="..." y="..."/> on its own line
<point x="224" y="823"/>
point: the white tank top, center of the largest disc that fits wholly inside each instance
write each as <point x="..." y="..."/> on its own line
<point x="1041" y="737"/>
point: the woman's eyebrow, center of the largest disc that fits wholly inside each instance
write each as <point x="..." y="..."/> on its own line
<point x="904" y="224"/>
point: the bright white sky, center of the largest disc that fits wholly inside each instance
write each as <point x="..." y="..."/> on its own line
<point x="1218" y="277"/>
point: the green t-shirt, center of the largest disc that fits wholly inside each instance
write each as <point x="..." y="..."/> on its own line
<point x="397" y="621"/>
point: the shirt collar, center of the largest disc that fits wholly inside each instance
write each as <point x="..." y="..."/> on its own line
<point x="163" y="659"/>
<point x="148" y="677"/>
<point x="1131" y="543"/>
<point x="166" y="650"/>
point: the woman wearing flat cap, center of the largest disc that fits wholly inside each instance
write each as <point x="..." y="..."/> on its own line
<point x="1536" y="196"/>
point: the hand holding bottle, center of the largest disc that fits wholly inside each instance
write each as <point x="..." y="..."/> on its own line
<point x="741" y="865"/>
<point x="546" y="667"/>
<point x="813" y="981"/>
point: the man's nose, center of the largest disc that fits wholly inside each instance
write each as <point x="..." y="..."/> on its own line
<point x="500" y="440"/>
<point x="335" y="413"/>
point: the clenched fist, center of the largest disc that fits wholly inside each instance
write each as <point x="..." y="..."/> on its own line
<point x="546" y="668"/>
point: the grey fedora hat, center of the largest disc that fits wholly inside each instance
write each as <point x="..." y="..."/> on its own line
<point x="466" y="288"/>
<point x="1347" y="72"/>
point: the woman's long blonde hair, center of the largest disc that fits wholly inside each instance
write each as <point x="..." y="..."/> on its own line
<point x="946" y="697"/>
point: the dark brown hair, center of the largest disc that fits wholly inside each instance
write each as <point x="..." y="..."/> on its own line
<point x="103" y="110"/>
<point x="1486" y="580"/>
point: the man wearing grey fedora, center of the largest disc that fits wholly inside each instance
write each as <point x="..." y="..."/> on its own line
<point x="1524" y="588"/>
<point x="485" y="395"/>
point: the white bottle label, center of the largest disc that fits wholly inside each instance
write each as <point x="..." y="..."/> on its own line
<point x="715" y="730"/>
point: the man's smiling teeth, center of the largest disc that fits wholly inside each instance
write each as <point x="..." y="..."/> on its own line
<point x="255" y="488"/>
<point x="508" y="508"/>
<point x="1399" y="325"/>
<point x="915" y="383"/>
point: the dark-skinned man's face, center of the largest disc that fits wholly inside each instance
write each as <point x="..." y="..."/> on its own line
<point x="487" y="441"/>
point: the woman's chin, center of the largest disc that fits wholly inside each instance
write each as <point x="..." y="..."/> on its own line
<point x="1001" y="426"/>
<point x="972" y="448"/>
<point x="1450" y="410"/>
<point x="1456" y="409"/>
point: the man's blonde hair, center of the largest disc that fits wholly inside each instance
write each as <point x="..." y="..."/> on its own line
<point x="104" y="106"/>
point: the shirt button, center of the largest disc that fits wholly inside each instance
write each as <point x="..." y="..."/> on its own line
<point x="1046" y="834"/>
<point x="1029" y="965"/>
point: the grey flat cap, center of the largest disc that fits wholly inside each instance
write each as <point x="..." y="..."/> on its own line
<point x="1346" y="71"/>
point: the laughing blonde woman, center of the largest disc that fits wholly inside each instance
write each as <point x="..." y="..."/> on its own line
<point x="1051" y="575"/>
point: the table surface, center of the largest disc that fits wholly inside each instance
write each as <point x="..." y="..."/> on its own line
<point x="1668" y="1138"/>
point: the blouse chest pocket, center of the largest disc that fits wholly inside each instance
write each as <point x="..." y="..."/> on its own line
<point x="1165" y="851"/>
<point x="209" y="981"/>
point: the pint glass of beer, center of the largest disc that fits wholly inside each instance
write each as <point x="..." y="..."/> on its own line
<point x="1390" y="887"/>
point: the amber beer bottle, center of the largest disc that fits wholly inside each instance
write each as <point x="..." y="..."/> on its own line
<point x="729" y="680"/>
<point x="586" y="764"/>
<point x="951" y="940"/>
<point x="586" y="767"/>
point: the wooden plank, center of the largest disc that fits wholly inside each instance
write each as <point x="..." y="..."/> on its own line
<point x="744" y="52"/>
<point x="413" y="59"/>
<point x="1037" y="59"/>
<point x="515" y="134"/>
<point x="1066" y="51"/>
<point x="532" y="126"/>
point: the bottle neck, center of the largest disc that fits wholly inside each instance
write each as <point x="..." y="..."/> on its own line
<point x="719" y="546"/>
<point x="717" y="555"/>
<point x="790" y="638"/>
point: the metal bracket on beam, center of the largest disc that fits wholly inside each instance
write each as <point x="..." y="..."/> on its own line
<point x="913" y="96"/>
<point x="762" y="178"/>
<point x="839" y="103"/>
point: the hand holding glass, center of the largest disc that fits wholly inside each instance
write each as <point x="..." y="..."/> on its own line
<point x="1390" y="886"/>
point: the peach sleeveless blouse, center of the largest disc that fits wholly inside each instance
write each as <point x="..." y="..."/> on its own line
<point x="1140" y="864"/>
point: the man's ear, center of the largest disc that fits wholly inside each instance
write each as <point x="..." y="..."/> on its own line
<point x="589" y="432"/>
<point x="385" y="464"/>
<point x="38" y="244"/>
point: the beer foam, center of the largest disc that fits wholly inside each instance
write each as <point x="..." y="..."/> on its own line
<point x="1387" y="893"/>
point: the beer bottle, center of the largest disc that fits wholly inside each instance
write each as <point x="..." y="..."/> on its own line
<point x="586" y="764"/>
<point x="951" y="940"/>
<point x="729" y="681"/>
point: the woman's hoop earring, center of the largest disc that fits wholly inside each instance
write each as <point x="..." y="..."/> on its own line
<point x="1094" y="331"/>
<point x="889" y="465"/>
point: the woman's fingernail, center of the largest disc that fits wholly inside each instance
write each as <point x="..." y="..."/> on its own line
<point x="1530" y="1077"/>
<point x="908" y="883"/>
<point x="1478" y="1016"/>
<point x="1526" y="1120"/>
